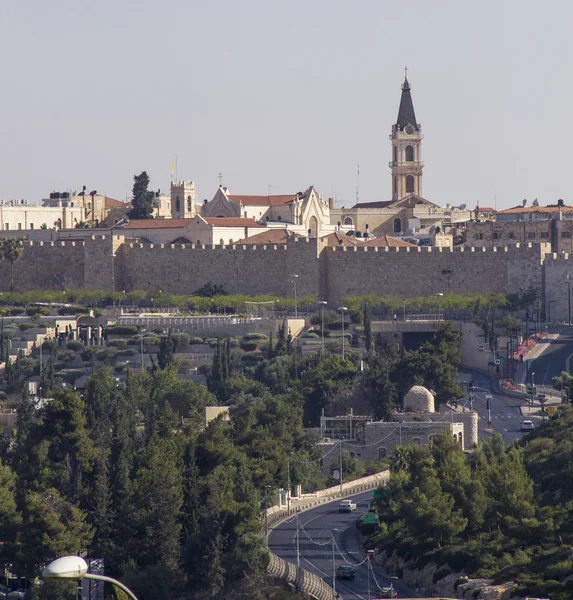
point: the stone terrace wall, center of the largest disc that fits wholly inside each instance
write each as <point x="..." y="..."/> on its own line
<point x="182" y="269"/>
<point x="409" y="272"/>
<point x="46" y="265"/>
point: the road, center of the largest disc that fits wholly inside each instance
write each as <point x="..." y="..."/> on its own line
<point x="315" y="542"/>
<point x="505" y="415"/>
<point x="552" y="360"/>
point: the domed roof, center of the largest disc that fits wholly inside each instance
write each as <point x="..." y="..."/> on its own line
<point x="419" y="399"/>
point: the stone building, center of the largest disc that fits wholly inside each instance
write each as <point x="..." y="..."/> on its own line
<point x="371" y="440"/>
<point x="303" y="213"/>
<point x="549" y="225"/>
<point x="408" y="213"/>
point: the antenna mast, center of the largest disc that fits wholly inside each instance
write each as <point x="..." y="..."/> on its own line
<point x="358" y="184"/>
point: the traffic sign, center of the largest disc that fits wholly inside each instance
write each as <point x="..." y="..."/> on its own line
<point x="370" y="518"/>
<point x="497" y="361"/>
<point x="532" y="390"/>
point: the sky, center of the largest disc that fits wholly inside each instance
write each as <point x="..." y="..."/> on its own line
<point x="278" y="96"/>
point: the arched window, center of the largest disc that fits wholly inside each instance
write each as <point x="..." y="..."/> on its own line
<point x="348" y="221"/>
<point x="177" y="204"/>
<point x="409" y="153"/>
<point x="189" y="203"/>
<point x="397" y="225"/>
<point x="410" y="184"/>
<point x="382" y="453"/>
<point x="395" y="184"/>
<point x="222" y="242"/>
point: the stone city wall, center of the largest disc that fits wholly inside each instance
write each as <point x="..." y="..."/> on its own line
<point x="112" y="263"/>
<point x="408" y="272"/>
<point x="252" y="270"/>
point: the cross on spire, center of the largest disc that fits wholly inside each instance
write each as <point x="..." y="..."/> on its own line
<point x="405" y="72"/>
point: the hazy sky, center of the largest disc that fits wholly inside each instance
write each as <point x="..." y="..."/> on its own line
<point x="286" y="94"/>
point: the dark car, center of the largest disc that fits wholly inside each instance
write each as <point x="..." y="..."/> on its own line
<point x="388" y="593"/>
<point x="345" y="572"/>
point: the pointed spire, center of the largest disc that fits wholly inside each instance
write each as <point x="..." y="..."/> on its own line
<point x="406" y="113"/>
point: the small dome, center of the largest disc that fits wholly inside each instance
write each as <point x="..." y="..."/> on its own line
<point x="419" y="399"/>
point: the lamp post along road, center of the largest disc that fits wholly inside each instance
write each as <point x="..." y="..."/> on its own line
<point x="439" y="295"/>
<point x="76" y="568"/>
<point x="333" y="563"/>
<point x="294" y="278"/>
<point x="322" y="304"/>
<point x="342" y="310"/>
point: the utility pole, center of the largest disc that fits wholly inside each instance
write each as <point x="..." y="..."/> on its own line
<point x="333" y="563"/>
<point x="288" y="483"/>
<point x="340" y="464"/>
<point x="297" y="543"/>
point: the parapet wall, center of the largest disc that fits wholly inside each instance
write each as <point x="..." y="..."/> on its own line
<point x="110" y="262"/>
<point x="182" y="269"/>
<point x="408" y="272"/>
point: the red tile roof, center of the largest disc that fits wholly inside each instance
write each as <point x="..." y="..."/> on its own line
<point x="269" y="236"/>
<point x="339" y="239"/>
<point x="387" y="241"/>
<point x="263" y="200"/>
<point x="231" y="222"/>
<point x="485" y="209"/>
<point x="113" y="203"/>
<point x="156" y="223"/>
<point x="534" y="209"/>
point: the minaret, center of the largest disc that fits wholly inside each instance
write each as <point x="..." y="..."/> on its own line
<point x="406" y="140"/>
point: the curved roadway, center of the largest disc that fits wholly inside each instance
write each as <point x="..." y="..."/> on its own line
<point x="315" y="543"/>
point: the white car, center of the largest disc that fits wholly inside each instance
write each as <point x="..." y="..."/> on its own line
<point x="527" y="425"/>
<point x="347" y="506"/>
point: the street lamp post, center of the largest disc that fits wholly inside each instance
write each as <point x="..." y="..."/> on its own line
<point x="549" y="311"/>
<point x="342" y="310"/>
<point x="294" y="278"/>
<point x="532" y="386"/>
<point x="76" y="568"/>
<point x="568" y="296"/>
<point x="322" y="304"/>
<point x="340" y="465"/>
<point x="333" y="563"/>
<point x="267" y="487"/>
<point x="439" y="295"/>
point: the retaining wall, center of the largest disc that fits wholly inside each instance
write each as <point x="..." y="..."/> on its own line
<point x="303" y="580"/>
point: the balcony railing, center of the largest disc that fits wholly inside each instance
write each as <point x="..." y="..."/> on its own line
<point x="410" y="163"/>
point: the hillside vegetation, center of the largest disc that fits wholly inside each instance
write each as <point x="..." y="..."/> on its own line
<point x="504" y="512"/>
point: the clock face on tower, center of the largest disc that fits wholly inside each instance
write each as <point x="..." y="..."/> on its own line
<point x="409" y="129"/>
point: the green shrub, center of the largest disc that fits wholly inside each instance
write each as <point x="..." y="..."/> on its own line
<point x="151" y="341"/>
<point x="14" y="312"/>
<point x="75" y="345"/>
<point x="39" y="311"/>
<point x="180" y="340"/>
<point x="73" y="310"/>
<point x="252" y="358"/>
<point x="27" y="325"/>
<point x="127" y="352"/>
<point x="310" y="334"/>
<point x="122" y="330"/>
<point x="256" y="336"/>
<point x="106" y="354"/>
<point x="249" y="346"/>
<point x="194" y="341"/>
<point x="117" y="343"/>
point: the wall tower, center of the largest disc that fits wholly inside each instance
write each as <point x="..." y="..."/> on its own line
<point x="406" y="140"/>
<point x="183" y="200"/>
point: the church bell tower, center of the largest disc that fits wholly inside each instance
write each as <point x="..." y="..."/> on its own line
<point x="406" y="138"/>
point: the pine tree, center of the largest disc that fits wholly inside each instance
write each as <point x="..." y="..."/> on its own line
<point x="142" y="201"/>
<point x="368" y="330"/>
<point x="156" y="503"/>
<point x="165" y="354"/>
